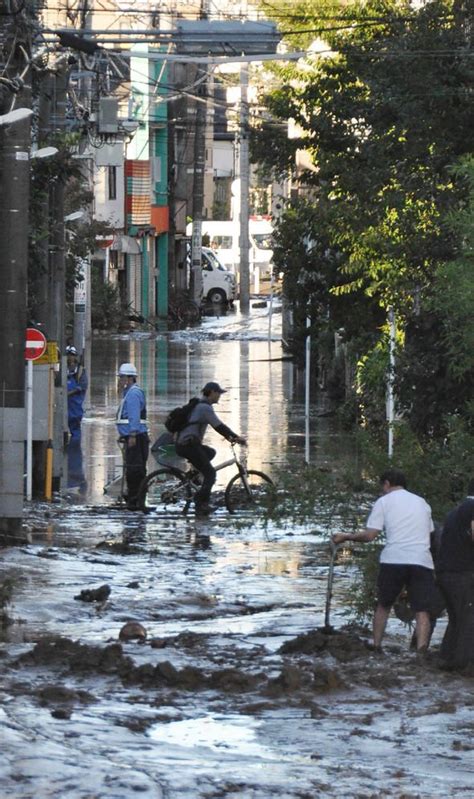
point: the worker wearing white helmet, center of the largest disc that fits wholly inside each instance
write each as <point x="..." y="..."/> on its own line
<point x="133" y="431"/>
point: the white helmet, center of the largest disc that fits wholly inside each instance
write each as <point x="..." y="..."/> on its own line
<point x="127" y="370"/>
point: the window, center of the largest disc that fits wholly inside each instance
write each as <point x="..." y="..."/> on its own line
<point x="112" y="179"/>
<point x="223" y="242"/>
<point x="263" y="241"/>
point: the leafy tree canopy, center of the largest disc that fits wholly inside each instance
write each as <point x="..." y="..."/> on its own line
<point x="383" y="109"/>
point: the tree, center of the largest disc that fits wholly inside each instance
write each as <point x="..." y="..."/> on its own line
<point x="384" y="115"/>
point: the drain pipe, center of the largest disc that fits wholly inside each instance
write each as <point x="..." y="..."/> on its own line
<point x="307" y="389"/>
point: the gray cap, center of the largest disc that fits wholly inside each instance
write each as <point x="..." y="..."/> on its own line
<point x="213" y="387"/>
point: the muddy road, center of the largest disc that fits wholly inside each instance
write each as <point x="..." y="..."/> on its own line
<point x="229" y="688"/>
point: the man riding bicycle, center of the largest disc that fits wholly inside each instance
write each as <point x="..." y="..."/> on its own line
<point x="189" y="442"/>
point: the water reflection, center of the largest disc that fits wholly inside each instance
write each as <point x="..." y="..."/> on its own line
<point x="264" y="399"/>
<point x="170" y="372"/>
<point x="75" y="465"/>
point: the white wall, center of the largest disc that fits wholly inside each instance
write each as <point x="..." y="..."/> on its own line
<point x="106" y="210"/>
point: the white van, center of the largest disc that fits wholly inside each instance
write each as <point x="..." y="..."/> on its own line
<point x="219" y="284"/>
<point x="224" y="240"/>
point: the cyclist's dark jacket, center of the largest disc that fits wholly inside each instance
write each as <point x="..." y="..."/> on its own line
<point x="456" y="552"/>
<point x="201" y="416"/>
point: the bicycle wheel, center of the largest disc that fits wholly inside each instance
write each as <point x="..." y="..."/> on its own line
<point x="165" y="489"/>
<point x="238" y="497"/>
<point x="188" y="311"/>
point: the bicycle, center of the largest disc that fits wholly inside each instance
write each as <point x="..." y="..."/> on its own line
<point x="172" y="488"/>
<point x="183" y="310"/>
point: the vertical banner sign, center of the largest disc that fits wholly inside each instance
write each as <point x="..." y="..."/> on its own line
<point x="35" y="347"/>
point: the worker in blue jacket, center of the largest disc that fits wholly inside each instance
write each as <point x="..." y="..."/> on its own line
<point x="76" y="391"/>
<point x="133" y="432"/>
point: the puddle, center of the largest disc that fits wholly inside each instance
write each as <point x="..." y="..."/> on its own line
<point x="233" y="736"/>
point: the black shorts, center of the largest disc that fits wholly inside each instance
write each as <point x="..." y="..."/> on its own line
<point x="418" y="580"/>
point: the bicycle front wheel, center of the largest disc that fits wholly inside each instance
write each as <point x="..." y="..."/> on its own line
<point x="165" y="490"/>
<point x="251" y="494"/>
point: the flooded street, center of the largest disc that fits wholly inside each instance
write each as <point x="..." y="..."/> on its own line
<point x="232" y="689"/>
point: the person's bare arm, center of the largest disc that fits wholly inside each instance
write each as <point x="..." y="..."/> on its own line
<point x="363" y="537"/>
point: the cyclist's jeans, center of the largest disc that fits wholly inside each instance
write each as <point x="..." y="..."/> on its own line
<point x="200" y="457"/>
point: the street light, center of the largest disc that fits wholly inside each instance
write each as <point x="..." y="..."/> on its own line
<point x="75" y="215"/>
<point x="44" y="152"/>
<point x="18" y="115"/>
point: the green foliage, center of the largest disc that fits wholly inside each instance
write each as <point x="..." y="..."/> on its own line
<point x="80" y="237"/>
<point x="338" y="500"/>
<point x="361" y="596"/>
<point x="307" y="493"/>
<point x="453" y="291"/>
<point x="106" y="310"/>
<point x="384" y="116"/>
<point x="437" y="469"/>
<point x="386" y="221"/>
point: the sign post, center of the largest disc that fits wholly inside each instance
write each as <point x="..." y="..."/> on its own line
<point x="35" y="347"/>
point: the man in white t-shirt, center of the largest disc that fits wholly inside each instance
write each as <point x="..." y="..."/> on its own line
<point x="405" y="561"/>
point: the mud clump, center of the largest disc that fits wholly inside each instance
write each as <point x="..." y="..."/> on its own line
<point x="233" y="681"/>
<point x="94" y="594"/>
<point x="342" y="646"/>
<point x="327" y="680"/>
<point x="58" y="651"/>
<point x="49" y="694"/>
<point x="159" y="643"/>
<point x="290" y="679"/>
<point x="62" y="713"/>
<point x="305" y="644"/>
<point x="346" y="647"/>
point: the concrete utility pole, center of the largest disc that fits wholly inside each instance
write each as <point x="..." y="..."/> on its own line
<point x="199" y="171"/>
<point x="40" y="311"/>
<point x="198" y="193"/>
<point x="14" y="200"/>
<point x="244" y="175"/>
<point x="57" y="293"/>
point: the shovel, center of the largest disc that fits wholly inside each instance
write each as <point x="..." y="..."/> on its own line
<point x="328" y="629"/>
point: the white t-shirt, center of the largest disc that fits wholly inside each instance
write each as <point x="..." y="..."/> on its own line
<point x="406" y="519"/>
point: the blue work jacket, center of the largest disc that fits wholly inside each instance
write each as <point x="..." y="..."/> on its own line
<point x="77" y="384"/>
<point x="131" y="413"/>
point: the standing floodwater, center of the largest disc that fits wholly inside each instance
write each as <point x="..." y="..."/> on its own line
<point x="263" y="400"/>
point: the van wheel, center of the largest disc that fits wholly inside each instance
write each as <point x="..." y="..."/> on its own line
<point x="216" y="295"/>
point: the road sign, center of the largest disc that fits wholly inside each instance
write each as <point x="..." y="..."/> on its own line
<point x="35" y="344"/>
<point x="50" y="355"/>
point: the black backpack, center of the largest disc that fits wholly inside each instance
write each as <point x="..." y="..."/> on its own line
<point x="177" y="419"/>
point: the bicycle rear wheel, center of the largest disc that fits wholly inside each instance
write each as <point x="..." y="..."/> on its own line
<point x="188" y="311"/>
<point x="256" y="494"/>
<point x="165" y="490"/>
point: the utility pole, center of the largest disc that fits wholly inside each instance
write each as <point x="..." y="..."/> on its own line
<point x="198" y="194"/>
<point x="56" y="304"/>
<point x="244" y="175"/>
<point x="40" y="310"/>
<point x="14" y="201"/>
<point x="57" y="294"/>
<point x="199" y="171"/>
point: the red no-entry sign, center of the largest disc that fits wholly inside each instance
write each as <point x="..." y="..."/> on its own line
<point x="35" y="345"/>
